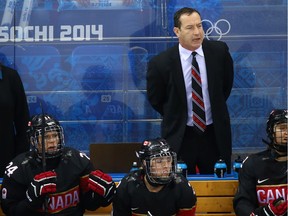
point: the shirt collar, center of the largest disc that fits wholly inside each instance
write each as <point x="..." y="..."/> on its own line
<point x="185" y="53"/>
<point x="200" y="51"/>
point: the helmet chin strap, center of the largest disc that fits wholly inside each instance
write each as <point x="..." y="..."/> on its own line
<point x="276" y="152"/>
<point x="154" y="184"/>
<point x="278" y="156"/>
<point x="282" y="149"/>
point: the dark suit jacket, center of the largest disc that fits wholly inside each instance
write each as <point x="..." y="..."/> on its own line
<point x="167" y="95"/>
<point x="14" y="117"/>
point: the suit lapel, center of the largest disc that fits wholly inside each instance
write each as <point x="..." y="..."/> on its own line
<point x="177" y="73"/>
<point x="209" y="61"/>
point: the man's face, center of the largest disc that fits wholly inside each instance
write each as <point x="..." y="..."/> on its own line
<point x="51" y="142"/>
<point x="280" y="133"/>
<point x="191" y="33"/>
<point x="161" y="166"/>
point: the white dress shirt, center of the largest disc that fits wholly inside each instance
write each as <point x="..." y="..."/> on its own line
<point x="186" y="62"/>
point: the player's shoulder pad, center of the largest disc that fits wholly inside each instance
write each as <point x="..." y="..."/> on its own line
<point x="132" y="179"/>
<point x="178" y="179"/>
<point x="75" y="156"/>
<point x="69" y="152"/>
<point x="134" y="176"/>
<point x="182" y="184"/>
<point x="20" y="164"/>
<point x="255" y="158"/>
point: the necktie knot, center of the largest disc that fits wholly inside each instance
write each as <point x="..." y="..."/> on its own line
<point x="194" y="53"/>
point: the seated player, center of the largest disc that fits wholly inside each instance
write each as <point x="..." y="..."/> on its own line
<point x="155" y="189"/>
<point x="53" y="179"/>
<point x="263" y="184"/>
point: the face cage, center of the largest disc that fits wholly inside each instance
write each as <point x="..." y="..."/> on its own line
<point x="277" y="119"/>
<point x="160" y="180"/>
<point x="279" y="147"/>
<point x="60" y="145"/>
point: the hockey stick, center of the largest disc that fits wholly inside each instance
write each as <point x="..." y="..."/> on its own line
<point x="43" y="154"/>
<point x="43" y="139"/>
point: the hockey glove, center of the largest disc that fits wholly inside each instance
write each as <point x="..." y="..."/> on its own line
<point x="42" y="184"/>
<point x="101" y="184"/>
<point x="84" y="183"/>
<point x="277" y="207"/>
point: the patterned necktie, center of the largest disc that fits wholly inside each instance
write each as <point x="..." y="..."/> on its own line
<point x="197" y="98"/>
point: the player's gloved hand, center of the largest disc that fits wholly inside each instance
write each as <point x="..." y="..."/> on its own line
<point x="101" y="184"/>
<point x="42" y="184"/>
<point x="277" y="207"/>
<point x="84" y="183"/>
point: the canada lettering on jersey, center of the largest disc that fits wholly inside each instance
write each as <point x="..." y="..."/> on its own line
<point x="61" y="201"/>
<point x="269" y="193"/>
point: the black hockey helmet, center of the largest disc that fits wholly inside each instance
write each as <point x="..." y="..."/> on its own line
<point x="49" y="124"/>
<point x="154" y="150"/>
<point x="276" y="117"/>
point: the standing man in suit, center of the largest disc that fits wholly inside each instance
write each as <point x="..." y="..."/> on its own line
<point x="169" y="89"/>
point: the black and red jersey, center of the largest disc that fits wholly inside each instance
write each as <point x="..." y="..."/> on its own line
<point x="70" y="198"/>
<point x="133" y="198"/>
<point x="262" y="179"/>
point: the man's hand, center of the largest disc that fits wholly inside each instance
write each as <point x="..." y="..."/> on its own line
<point x="277" y="207"/>
<point x="42" y="184"/>
<point x="102" y="184"/>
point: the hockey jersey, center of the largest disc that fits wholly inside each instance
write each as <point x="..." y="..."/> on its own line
<point x="262" y="179"/>
<point x="70" y="198"/>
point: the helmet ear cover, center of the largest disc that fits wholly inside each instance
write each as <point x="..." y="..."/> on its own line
<point x="34" y="133"/>
<point x="276" y="117"/>
<point x="157" y="150"/>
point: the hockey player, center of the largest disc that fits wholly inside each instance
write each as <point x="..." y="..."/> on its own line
<point x="56" y="181"/>
<point x="154" y="189"/>
<point x="263" y="184"/>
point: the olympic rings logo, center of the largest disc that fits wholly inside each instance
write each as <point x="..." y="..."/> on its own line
<point x="223" y="23"/>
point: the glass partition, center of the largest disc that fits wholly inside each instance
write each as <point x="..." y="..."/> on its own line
<point x="85" y="62"/>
